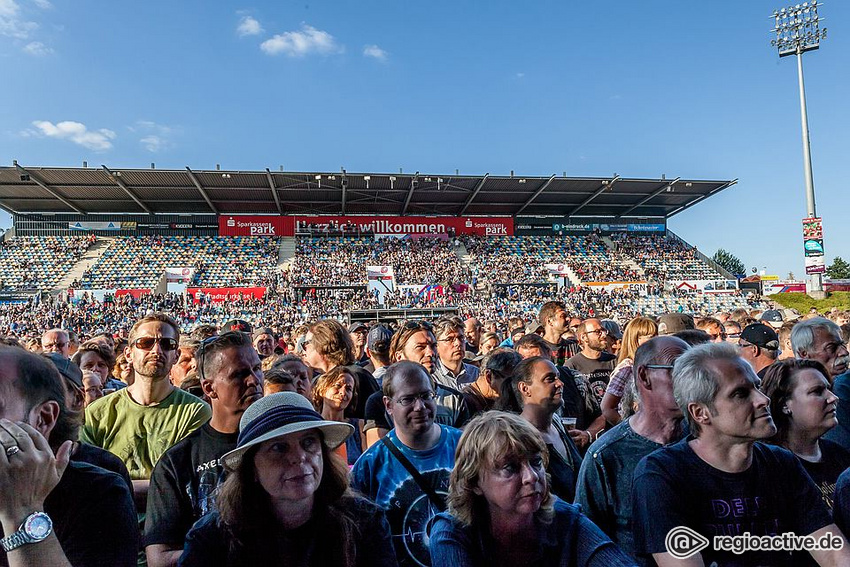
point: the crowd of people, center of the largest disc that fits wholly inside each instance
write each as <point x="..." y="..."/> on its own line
<point x="28" y="262"/>
<point x="562" y="438"/>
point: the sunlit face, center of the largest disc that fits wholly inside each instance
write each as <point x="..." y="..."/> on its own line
<point x="417" y="417"/>
<point x="489" y="345"/>
<point x="545" y="389"/>
<point x="264" y="345"/>
<point x="358" y="337"/>
<point x="92" y="362"/>
<point x="812" y="405"/>
<point x="559" y="321"/>
<point x="289" y="468"/>
<point x="301" y="375"/>
<point x="92" y="387"/>
<point x="741" y="410"/>
<point x="716" y="333"/>
<point x="237" y="383"/>
<point x="311" y="355"/>
<point x="830" y="350"/>
<point x="472" y="332"/>
<point x="451" y="346"/>
<point x="55" y="341"/>
<point x="594" y="335"/>
<point x="514" y="488"/>
<point x="338" y="395"/>
<point x="186" y="363"/>
<point x="155" y="362"/>
<point x="421" y="348"/>
<point x="529" y="351"/>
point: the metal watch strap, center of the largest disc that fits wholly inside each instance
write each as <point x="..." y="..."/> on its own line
<point x="14" y="541"/>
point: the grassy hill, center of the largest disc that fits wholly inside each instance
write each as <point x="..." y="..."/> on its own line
<point x="802" y="302"/>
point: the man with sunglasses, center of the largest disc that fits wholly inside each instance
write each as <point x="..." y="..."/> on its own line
<point x="186" y="478"/>
<point x="139" y="423"/>
<point x="594" y="363"/>
<point x="416" y="443"/>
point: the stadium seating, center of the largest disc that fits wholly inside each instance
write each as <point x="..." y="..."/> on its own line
<point x="39" y="262"/>
<point x="664" y="258"/>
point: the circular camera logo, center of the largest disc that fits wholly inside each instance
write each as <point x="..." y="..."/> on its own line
<point x="683" y="542"/>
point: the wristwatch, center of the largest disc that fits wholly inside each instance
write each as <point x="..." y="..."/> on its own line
<point x="35" y="528"/>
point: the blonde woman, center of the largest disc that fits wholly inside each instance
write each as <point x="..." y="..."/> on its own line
<point x="501" y="511"/>
<point x="638" y="331"/>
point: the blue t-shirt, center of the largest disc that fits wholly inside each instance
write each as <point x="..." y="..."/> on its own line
<point x="379" y="476"/>
<point x="674" y="487"/>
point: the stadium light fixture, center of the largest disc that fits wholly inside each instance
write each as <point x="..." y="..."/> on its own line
<point x="797" y="30"/>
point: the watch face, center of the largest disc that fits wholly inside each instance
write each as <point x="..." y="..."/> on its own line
<point x="38" y="526"/>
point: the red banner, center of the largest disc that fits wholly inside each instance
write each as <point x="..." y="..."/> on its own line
<point x="220" y="294"/>
<point x="493" y="226"/>
<point x="244" y="225"/>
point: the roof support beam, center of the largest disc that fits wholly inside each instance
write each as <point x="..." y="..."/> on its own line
<point x="120" y="182"/>
<point x="536" y="194"/>
<point x="606" y="185"/>
<point x="47" y="188"/>
<point x="475" y="192"/>
<point x="706" y="196"/>
<point x="650" y="197"/>
<point x="344" y="188"/>
<point x="413" y="183"/>
<point x="274" y="191"/>
<point x="201" y="190"/>
<point x="7" y="209"/>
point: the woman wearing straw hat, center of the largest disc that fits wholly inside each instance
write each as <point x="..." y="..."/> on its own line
<point x="286" y="499"/>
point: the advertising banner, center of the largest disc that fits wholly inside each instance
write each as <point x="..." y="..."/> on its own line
<point x="221" y="294"/>
<point x="492" y="226"/>
<point x="815" y="265"/>
<point x="639" y="287"/>
<point x="109" y="225"/>
<point x="255" y="225"/>
<point x="182" y="275"/>
<point x="380" y="280"/>
<point x="137" y="293"/>
<point x="707" y="286"/>
<point x="783" y="287"/>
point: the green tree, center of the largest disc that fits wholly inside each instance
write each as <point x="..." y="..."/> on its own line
<point x="729" y="261"/>
<point x="839" y="270"/>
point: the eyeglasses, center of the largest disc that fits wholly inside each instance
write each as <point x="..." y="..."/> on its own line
<point x="714" y="336"/>
<point x="205" y="346"/>
<point x="410" y="325"/>
<point x="660" y="366"/>
<point x="146" y="343"/>
<point x="424" y="397"/>
<point x="733" y="335"/>
<point x="54" y="345"/>
<point x="456" y="339"/>
<point x="602" y="331"/>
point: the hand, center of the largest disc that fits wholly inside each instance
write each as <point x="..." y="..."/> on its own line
<point x="580" y="437"/>
<point x="28" y="476"/>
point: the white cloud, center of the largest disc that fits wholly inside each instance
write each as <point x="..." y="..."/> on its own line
<point x="98" y="140"/>
<point x="375" y="52"/>
<point x="249" y="26"/>
<point x="12" y="24"/>
<point x="43" y="4"/>
<point x="37" y="48"/>
<point x="303" y="42"/>
<point x="520" y="75"/>
<point x="155" y="137"/>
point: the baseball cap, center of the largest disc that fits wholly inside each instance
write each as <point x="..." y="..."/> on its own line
<point x="66" y="367"/>
<point x="670" y="323"/>
<point x="378" y="339"/>
<point x="237" y="325"/>
<point x="356" y="326"/>
<point x="613" y="328"/>
<point x="263" y="331"/>
<point x="789" y="314"/>
<point x="532" y="328"/>
<point x="760" y="335"/>
<point x="772" y="317"/>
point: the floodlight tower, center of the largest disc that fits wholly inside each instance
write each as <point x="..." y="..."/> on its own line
<point x="797" y="31"/>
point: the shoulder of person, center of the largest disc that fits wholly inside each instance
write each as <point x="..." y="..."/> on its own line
<point x="607" y="442"/>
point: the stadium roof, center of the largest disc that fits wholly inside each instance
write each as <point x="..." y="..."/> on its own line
<point x="108" y="190"/>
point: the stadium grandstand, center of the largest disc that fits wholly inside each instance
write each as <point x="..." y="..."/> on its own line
<point x="281" y="248"/>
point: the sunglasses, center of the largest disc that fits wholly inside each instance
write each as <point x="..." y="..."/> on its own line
<point x="146" y="343"/>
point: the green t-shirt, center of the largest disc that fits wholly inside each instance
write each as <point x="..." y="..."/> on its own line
<point x="139" y="435"/>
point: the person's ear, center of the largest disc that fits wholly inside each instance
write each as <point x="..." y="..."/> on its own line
<point x="388" y="405"/>
<point x="45" y="417"/>
<point x="642" y="376"/>
<point x="699" y="413"/>
<point x="207" y="387"/>
<point x="523" y="388"/>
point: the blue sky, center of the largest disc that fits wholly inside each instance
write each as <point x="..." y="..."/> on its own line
<point x="641" y="89"/>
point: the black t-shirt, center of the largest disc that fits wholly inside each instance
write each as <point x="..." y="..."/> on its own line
<point x="595" y="371"/>
<point x="94" y="518"/>
<point x="674" y="487"/>
<point x="563" y="351"/>
<point x="376" y="414"/>
<point x="578" y="402"/>
<point x="834" y="460"/>
<point x="184" y="483"/>
<point x="102" y="458"/>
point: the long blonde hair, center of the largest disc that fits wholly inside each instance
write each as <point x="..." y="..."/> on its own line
<point x="636" y="328"/>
